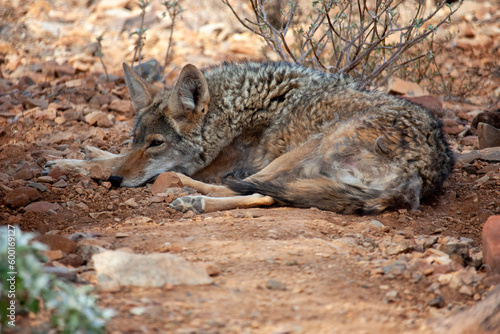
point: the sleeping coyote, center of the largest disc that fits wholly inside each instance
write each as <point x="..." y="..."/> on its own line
<point x="279" y="132"/>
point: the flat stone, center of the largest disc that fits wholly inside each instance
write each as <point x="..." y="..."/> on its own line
<point x="45" y="179"/>
<point x="53" y="255"/>
<point x="121" y="106"/>
<point x="38" y="186"/>
<point x="491" y="243"/>
<point x="99" y="172"/>
<point x="21" y="196"/>
<point x="25" y="174"/>
<point x="60" y="184"/>
<point x="151" y="270"/>
<point x="165" y="181"/>
<point x="401" y="87"/>
<point x="57" y="172"/>
<point x="58" y="242"/>
<point x="42" y="207"/>
<point x="99" y="118"/>
<point x="132" y="203"/>
<point x="430" y="102"/>
<point x="488" y="136"/>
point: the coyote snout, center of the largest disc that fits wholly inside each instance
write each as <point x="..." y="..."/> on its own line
<point x="284" y="133"/>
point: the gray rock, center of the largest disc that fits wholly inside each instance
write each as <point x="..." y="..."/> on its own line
<point x="152" y="270"/>
<point x="273" y="284"/>
<point x="42" y="207"/>
<point x="40" y="187"/>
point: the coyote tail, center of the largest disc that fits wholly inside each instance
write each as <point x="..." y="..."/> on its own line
<point x="342" y="193"/>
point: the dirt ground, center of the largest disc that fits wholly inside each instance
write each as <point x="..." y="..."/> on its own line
<point x="279" y="269"/>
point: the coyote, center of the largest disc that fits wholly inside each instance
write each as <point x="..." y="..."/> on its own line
<point x="279" y="132"/>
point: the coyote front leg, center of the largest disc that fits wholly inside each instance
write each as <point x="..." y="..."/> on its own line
<point x="93" y="157"/>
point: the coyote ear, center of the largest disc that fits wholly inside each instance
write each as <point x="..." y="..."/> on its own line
<point x="190" y="95"/>
<point x="141" y="92"/>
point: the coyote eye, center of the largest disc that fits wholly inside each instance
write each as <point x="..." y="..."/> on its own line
<point x="156" y="142"/>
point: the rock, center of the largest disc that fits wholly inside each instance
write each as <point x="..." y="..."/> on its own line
<point x="151" y="270"/>
<point x="425" y="242"/>
<point x="132" y="203"/>
<point x="150" y="70"/>
<point x="82" y="206"/>
<point x="38" y="186"/>
<point x="430" y="102"/>
<point x="165" y="181"/>
<point x="396" y="268"/>
<point x="470" y="141"/>
<point x="404" y="246"/>
<point x="99" y="100"/>
<point x="98" y="118"/>
<point x="111" y="4"/>
<point x="72" y="115"/>
<point x="482" y="318"/>
<point x="24" y="174"/>
<point x="60" y="184"/>
<point x="58" y="242"/>
<point x="273" y="284"/>
<point x="401" y="87"/>
<point x="456" y="249"/>
<point x="437" y="302"/>
<point x="491" y="244"/>
<point x="99" y="172"/>
<point x="42" y="207"/>
<point x="122" y="106"/>
<point x="391" y="297"/>
<point x="73" y="260"/>
<point x="53" y="255"/>
<point x="86" y="248"/>
<point x="436" y="257"/>
<point x="139" y="220"/>
<point x="24" y="82"/>
<point x="488" y="136"/>
<point x="45" y="179"/>
<point x="57" y="172"/>
<point x="21" y="196"/>
<point x="211" y="268"/>
<point x="489" y="117"/>
<point x="479" y="41"/>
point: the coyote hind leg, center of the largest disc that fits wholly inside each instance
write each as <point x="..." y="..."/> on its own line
<point x="202" y="204"/>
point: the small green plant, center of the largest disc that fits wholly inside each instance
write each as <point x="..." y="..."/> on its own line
<point x="173" y="9"/>
<point x="99" y="54"/>
<point x="140" y="32"/>
<point x="26" y="288"/>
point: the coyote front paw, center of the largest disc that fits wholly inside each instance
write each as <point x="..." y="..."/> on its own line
<point x="189" y="203"/>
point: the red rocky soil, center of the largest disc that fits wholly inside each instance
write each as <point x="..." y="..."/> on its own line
<point x="274" y="270"/>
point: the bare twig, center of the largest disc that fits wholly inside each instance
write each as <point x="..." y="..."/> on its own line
<point x="345" y="36"/>
<point x="139" y="43"/>
<point x="173" y="9"/>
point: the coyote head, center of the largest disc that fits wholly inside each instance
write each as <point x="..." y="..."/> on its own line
<point x="167" y="131"/>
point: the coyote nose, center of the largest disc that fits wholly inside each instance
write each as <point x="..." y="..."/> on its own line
<point x="115" y="180"/>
